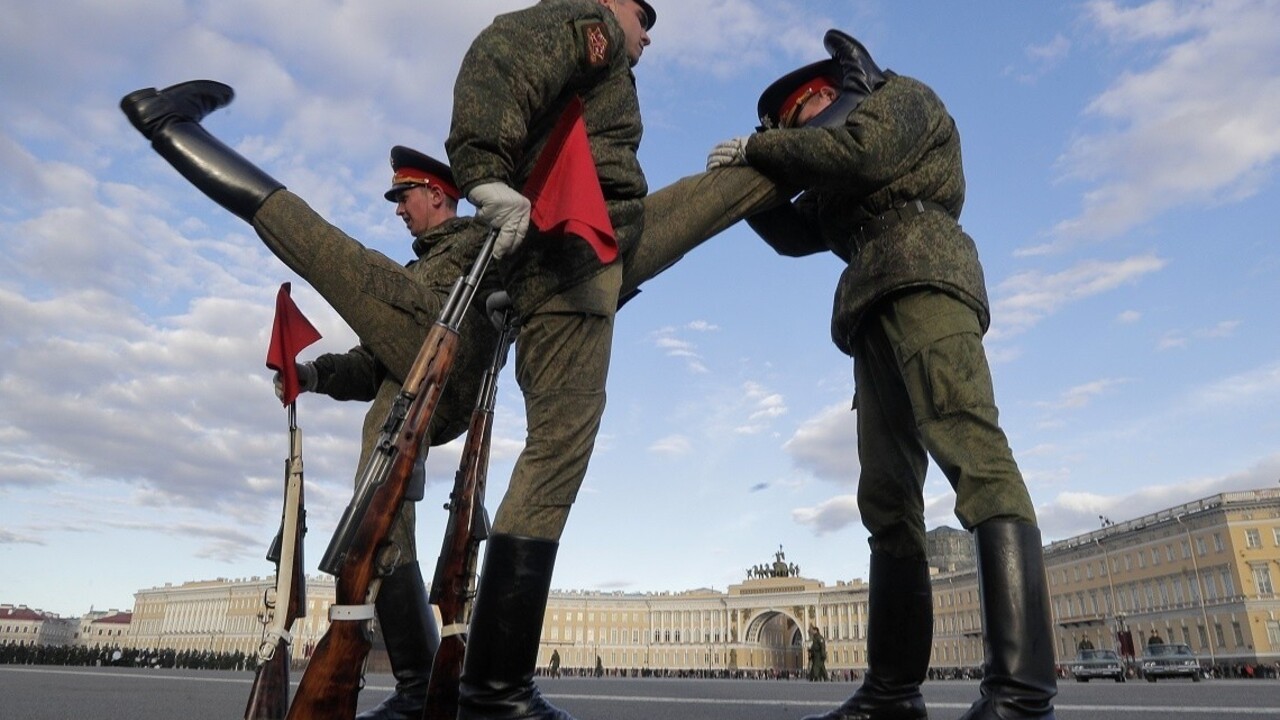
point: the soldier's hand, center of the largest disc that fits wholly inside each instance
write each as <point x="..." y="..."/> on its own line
<point x="728" y="153"/>
<point x="498" y="306"/>
<point x="504" y="209"/>
<point x="307" y="379"/>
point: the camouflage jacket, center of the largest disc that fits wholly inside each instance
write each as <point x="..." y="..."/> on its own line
<point x="899" y="145"/>
<point x="444" y="253"/>
<point x="516" y="79"/>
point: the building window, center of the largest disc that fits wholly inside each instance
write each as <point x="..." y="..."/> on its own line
<point x="1273" y="633"/>
<point x="1168" y="553"/>
<point x="1228" y="585"/>
<point x="1217" y="542"/>
<point x="1238" y="632"/>
<point x="1200" y="547"/>
<point x="1217" y="634"/>
<point x="1252" y="538"/>
<point x="1155" y="557"/>
<point x="1186" y="550"/>
<point x="1275" y="536"/>
<point x="1262" y="579"/>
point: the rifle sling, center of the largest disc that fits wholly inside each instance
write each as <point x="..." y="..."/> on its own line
<point x="350" y="612"/>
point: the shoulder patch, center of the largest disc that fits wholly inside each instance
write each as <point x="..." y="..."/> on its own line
<point x="594" y="39"/>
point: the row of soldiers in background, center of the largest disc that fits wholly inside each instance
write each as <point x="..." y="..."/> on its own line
<point x="114" y="655"/>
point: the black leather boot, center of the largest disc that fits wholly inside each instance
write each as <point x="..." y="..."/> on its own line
<point x="899" y="641"/>
<point x="170" y="119"/>
<point x="502" y="644"/>
<point x="409" y="629"/>
<point x="1018" y="678"/>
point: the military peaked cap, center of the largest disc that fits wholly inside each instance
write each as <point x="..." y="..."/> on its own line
<point x="648" y="9"/>
<point x="410" y="168"/>
<point x="851" y="71"/>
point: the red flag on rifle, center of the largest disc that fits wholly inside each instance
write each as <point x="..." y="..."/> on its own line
<point x="290" y="332"/>
<point x="564" y="189"/>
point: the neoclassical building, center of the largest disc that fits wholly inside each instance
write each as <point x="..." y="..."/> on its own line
<point x="757" y="626"/>
<point x="223" y="615"/>
<point x="1203" y="573"/>
<point x="21" y="625"/>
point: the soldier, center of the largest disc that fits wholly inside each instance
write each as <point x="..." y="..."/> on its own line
<point x="388" y="305"/>
<point x="879" y="158"/>
<point x="516" y="80"/>
<point x="426" y="199"/>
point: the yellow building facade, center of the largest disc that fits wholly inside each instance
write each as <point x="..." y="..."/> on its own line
<point x="222" y="615"/>
<point x="1203" y="573"/>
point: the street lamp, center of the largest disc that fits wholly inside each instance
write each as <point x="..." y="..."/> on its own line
<point x="1195" y="566"/>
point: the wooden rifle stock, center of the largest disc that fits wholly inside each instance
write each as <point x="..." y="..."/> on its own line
<point x="286" y="601"/>
<point x="468" y="526"/>
<point x="331" y="683"/>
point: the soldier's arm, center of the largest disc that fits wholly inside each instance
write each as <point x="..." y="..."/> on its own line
<point x="353" y="375"/>
<point x="515" y="72"/>
<point x="885" y="135"/>
<point x="787" y="231"/>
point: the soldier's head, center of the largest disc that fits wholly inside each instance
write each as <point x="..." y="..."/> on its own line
<point x="422" y="188"/>
<point x="636" y="18"/>
<point x="823" y="93"/>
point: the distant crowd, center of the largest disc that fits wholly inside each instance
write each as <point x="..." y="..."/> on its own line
<point x="114" y="655"/>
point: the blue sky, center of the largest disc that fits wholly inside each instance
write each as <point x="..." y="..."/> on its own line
<point x="1121" y="160"/>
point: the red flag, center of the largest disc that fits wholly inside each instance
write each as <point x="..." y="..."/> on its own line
<point x="290" y="332"/>
<point x="564" y="188"/>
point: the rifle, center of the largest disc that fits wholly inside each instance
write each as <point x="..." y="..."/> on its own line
<point x="334" y="675"/>
<point x="468" y="526"/>
<point x="286" y="601"/>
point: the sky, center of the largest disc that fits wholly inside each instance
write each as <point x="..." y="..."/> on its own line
<point x="1121" y="166"/>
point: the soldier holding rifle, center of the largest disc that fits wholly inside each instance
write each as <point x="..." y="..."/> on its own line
<point x="388" y="305"/>
<point x="445" y="244"/>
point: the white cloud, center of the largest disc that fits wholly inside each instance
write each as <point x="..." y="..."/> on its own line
<point x="1082" y="395"/>
<point x="763" y="406"/>
<point x="1028" y="297"/>
<point x="829" y="515"/>
<point x="826" y="445"/>
<point x="672" y="445"/>
<point x="1072" y="513"/>
<point x="1163" y="139"/>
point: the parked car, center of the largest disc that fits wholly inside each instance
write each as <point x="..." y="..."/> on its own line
<point x="1169" y="660"/>
<point x="1090" y="664"/>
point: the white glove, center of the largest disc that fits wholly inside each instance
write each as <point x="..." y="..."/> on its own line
<point x="504" y="209"/>
<point x="727" y="153"/>
<point x="307" y="379"/>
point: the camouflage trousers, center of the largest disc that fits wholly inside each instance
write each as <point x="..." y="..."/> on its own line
<point x="924" y="389"/>
<point x="563" y="350"/>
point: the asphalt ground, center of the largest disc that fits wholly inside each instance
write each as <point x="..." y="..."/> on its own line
<point x="32" y="692"/>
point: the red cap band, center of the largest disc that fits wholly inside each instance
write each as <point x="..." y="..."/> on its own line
<point x="802" y="93"/>
<point x="422" y="177"/>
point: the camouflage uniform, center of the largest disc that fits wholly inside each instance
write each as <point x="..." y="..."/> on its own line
<point x="515" y="81"/>
<point x="910" y="308"/>
<point x="391" y="308"/>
